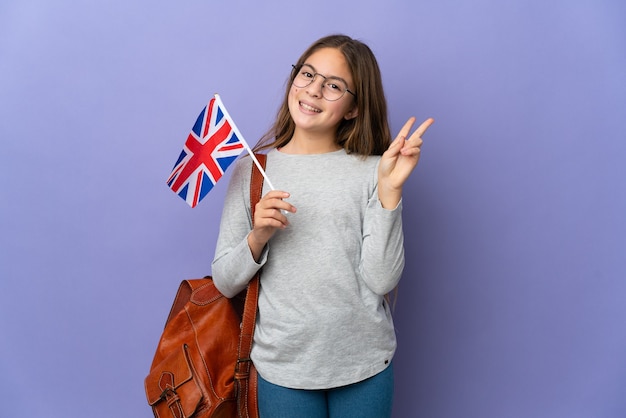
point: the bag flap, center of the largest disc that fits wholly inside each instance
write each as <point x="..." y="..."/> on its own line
<point x="171" y="373"/>
<point x="183" y="295"/>
<point x="205" y="293"/>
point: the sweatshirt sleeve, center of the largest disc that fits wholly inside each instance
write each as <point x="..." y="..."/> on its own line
<point x="233" y="265"/>
<point x="382" y="255"/>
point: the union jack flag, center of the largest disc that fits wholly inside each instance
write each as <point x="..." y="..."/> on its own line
<point x="212" y="145"/>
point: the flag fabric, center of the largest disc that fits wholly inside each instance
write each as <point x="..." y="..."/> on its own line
<point x="212" y="145"/>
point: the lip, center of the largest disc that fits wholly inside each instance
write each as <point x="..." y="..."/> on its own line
<point x="307" y="107"/>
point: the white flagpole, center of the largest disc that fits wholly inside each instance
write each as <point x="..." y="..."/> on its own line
<point x="243" y="141"/>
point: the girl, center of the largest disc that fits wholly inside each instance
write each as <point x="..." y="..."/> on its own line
<point x="330" y="240"/>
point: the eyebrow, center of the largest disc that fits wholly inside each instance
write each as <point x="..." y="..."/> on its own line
<point x="325" y="76"/>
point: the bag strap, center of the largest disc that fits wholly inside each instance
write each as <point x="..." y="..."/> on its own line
<point x="242" y="368"/>
<point x="252" y="296"/>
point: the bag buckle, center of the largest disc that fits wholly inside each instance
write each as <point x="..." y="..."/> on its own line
<point x="168" y="393"/>
<point x="242" y="368"/>
<point x="172" y="399"/>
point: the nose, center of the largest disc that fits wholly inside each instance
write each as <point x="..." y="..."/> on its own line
<point x="315" y="88"/>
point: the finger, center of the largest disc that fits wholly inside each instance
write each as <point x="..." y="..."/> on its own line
<point x="280" y="204"/>
<point x="410" y="151"/>
<point x="404" y="132"/>
<point x="395" y="146"/>
<point x="274" y="200"/>
<point x="285" y="206"/>
<point x="270" y="217"/>
<point x="414" y="141"/>
<point x="421" y="130"/>
<point x="264" y="228"/>
<point x="276" y="194"/>
<point x="276" y="218"/>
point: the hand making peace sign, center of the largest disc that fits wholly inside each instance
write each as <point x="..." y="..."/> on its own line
<point x="398" y="162"/>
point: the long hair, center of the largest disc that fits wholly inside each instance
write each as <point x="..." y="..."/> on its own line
<point x="366" y="134"/>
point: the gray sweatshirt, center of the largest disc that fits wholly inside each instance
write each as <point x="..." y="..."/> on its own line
<point x="323" y="321"/>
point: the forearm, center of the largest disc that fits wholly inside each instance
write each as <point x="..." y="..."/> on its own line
<point x="382" y="257"/>
<point x="232" y="270"/>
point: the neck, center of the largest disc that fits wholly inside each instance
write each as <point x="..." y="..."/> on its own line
<point x="310" y="144"/>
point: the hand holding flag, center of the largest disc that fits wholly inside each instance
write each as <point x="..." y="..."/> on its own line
<point x="213" y="144"/>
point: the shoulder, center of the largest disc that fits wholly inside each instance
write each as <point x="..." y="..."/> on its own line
<point x="241" y="169"/>
<point x="244" y="164"/>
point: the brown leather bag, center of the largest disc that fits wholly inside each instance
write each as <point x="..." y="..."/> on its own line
<point x="202" y="365"/>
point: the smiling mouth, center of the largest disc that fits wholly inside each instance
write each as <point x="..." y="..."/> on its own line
<point x="309" y="108"/>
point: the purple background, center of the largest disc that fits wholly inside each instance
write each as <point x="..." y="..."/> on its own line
<point x="513" y="299"/>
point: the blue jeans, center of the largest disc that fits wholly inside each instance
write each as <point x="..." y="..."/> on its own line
<point x="371" y="398"/>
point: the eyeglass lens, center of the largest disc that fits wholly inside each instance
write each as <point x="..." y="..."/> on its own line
<point x="333" y="88"/>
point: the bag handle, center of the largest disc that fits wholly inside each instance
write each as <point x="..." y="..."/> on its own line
<point x="256" y="183"/>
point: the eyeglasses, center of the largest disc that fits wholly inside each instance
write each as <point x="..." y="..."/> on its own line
<point x="333" y="88"/>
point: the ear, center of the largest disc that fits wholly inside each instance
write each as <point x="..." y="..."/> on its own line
<point x="352" y="113"/>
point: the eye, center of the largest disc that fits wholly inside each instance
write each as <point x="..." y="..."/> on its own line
<point x="335" y="85"/>
<point x="306" y="74"/>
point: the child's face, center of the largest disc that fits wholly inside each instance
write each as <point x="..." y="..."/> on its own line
<point x="311" y="112"/>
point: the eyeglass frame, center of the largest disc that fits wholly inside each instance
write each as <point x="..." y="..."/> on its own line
<point x="297" y="68"/>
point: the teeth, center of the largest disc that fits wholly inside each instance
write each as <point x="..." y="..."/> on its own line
<point x="307" y="107"/>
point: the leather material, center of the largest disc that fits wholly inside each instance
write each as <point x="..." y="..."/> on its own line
<point x="202" y="365"/>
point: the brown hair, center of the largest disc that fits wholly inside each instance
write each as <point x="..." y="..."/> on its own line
<point x="366" y="134"/>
